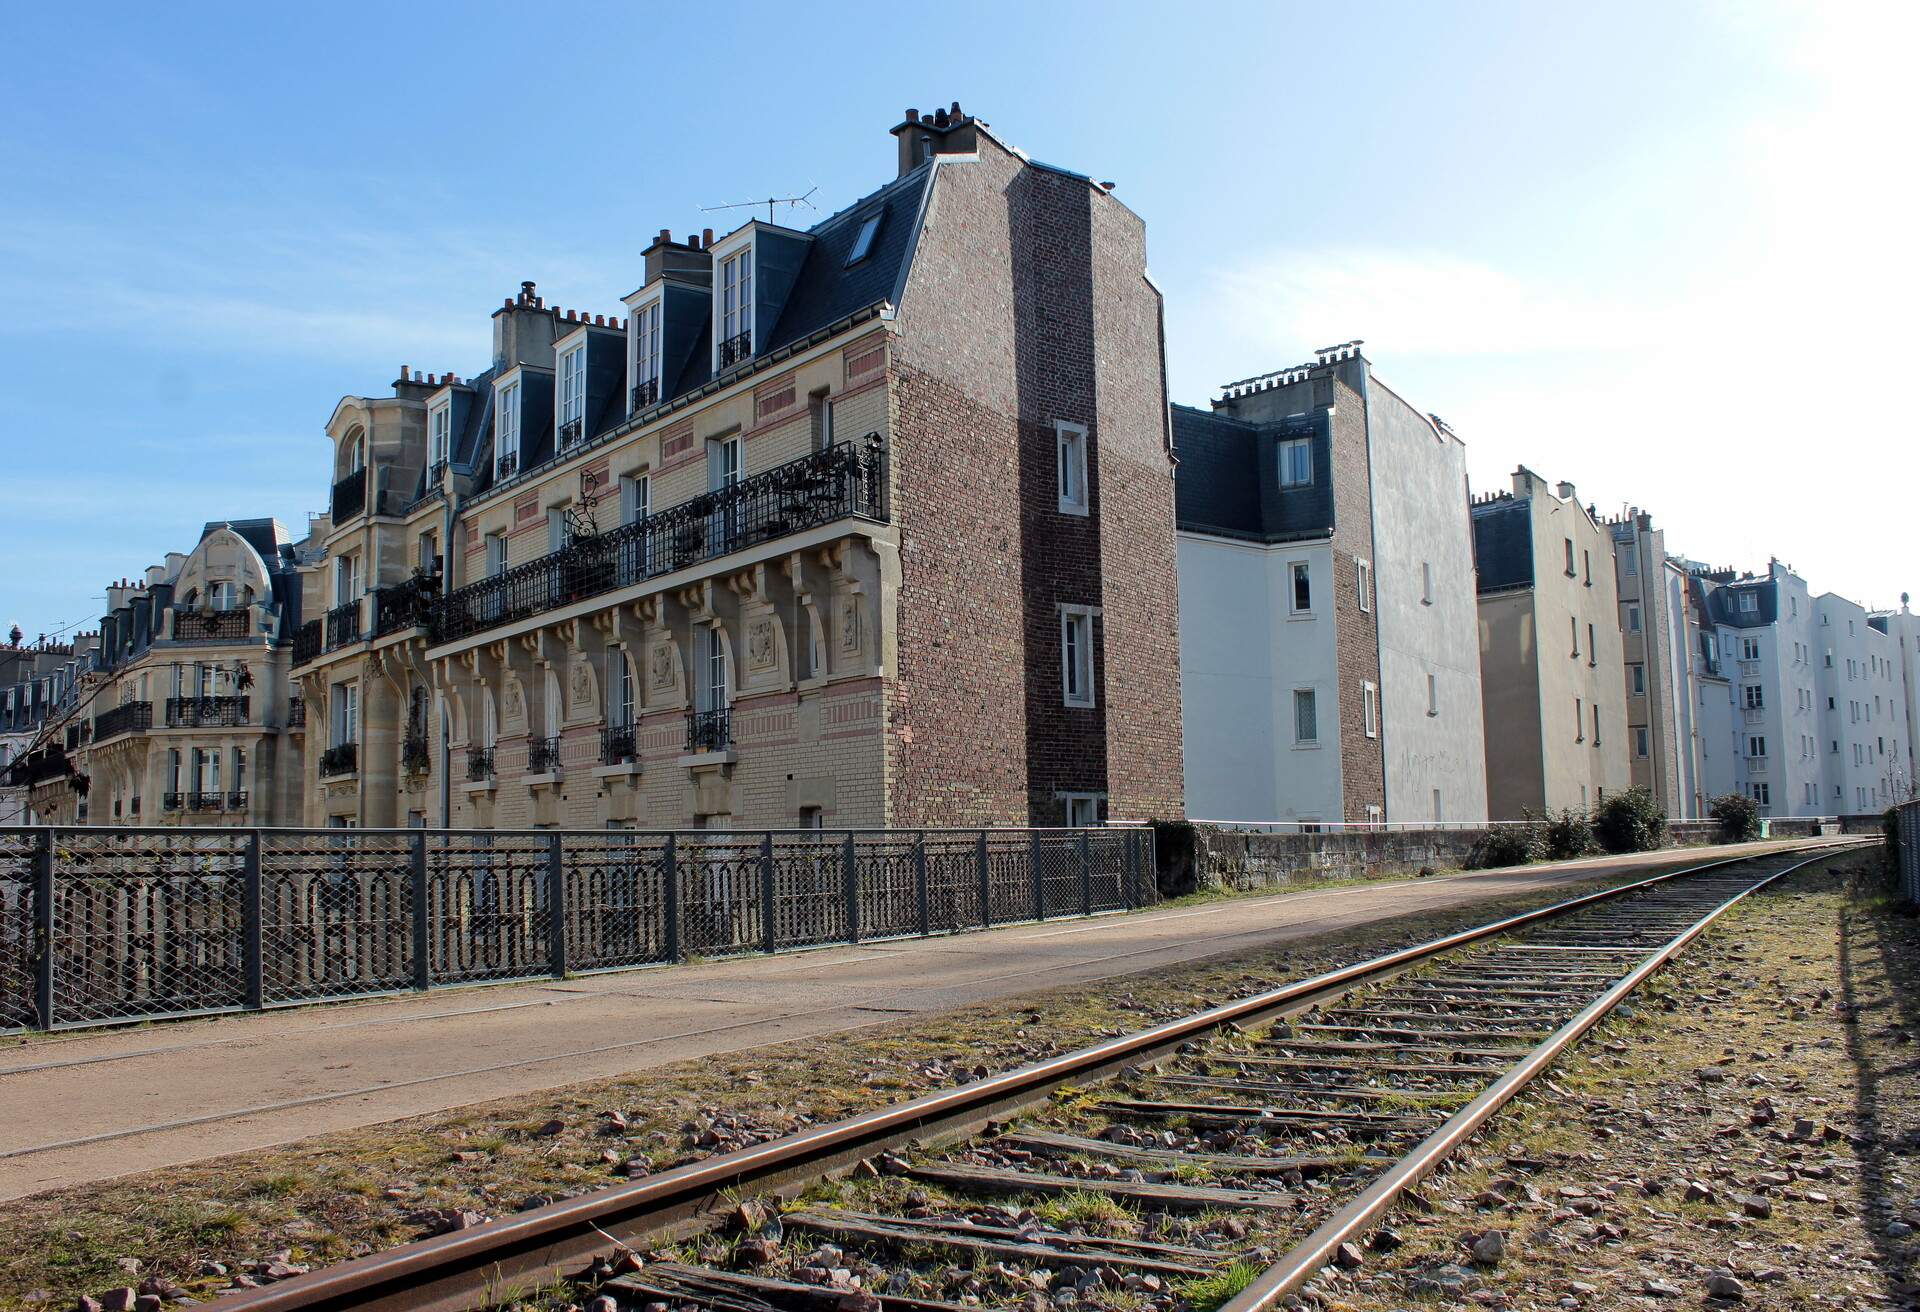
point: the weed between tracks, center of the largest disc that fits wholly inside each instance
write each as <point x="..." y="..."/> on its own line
<point x="233" y="1220"/>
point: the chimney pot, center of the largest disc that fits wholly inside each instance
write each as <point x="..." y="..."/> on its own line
<point x="526" y="290"/>
<point x="693" y="240"/>
<point x="913" y="116"/>
<point x="939" y="118"/>
<point x="665" y="235"/>
<point x="403" y="373"/>
<point x="706" y="237"/>
<point x="955" y="111"/>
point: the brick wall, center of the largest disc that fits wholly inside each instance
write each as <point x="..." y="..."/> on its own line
<point x="1363" y="781"/>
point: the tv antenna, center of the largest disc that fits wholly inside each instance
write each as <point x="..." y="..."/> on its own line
<point x="769" y="202"/>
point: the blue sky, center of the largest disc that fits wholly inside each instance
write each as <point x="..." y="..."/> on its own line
<point x="1661" y="251"/>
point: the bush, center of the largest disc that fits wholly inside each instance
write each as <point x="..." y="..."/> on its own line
<point x="1739" y="817"/>
<point x="1630" y="822"/>
<point x="1505" y="845"/>
<point x="1568" y="835"/>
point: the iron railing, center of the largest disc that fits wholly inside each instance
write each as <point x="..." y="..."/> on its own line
<point x="507" y="465"/>
<point x="297" y="713"/>
<point x="837" y="483"/>
<point x="237" y="800"/>
<point x="644" y="395"/>
<point x="710" y="731"/>
<point x="206" y="712"/>
<point x="543" y="756"/>
<point x="343" y="624"/>
<point x="38" y="767"/>
<point x="415" y="756"/>
<point x="211" y="625"/>
<point x="128" y="717"/>
<point x="309" y="640"/>
<point x="172" y="801"/>
<point x="617" y="744"/>
<point x="571" y="430"/>
<point x="403" y="605"/>
<point x="479" y="764"/>
<point x="140" y="924"/>
<point x="349" y="496"/>
<point x="341" y="758"/>
<point x="215" y="801"/>
<point x="736" y="349"/>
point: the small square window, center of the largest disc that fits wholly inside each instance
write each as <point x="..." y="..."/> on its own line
<point x="863" y="240"/>
<point x="1296" y="462"/>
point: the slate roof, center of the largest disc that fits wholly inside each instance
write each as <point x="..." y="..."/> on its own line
<point x="1227" y="481"/>
<point x="1503" y="544"/>
<point x="1720" y="602"/>
<point x="826" y="290"/>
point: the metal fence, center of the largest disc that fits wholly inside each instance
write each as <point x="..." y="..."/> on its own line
<point x="103" y="925"/>
<point x="1906" y="835"/>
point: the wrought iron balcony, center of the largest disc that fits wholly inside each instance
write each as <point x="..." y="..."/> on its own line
<point x="572" y="431"/>
<point x="644" y="395"/>
<point x="210" y="625"/>
<point x="349" y="496"/>
<point x="172" y="801"/>
<point x="736" y="349"/>
<point x="479" y="764"/>
<point x="404" y="605"/>
<point x="415" y="757"/>
<point x="308" y="642"/>
<point x="837" y="483"/>
<point x="341" y="758"/>
<point x="206" y="801"/>
<point x="297" y="713"/>
<point x="507" y="465"/>
<point x="130" y="717"/>
<point x="617" y="744"/>
<point x="343" y="625"/>
<point x="710" y="731"/>
<point x="543" y="756"/>
<point x="37" y="768"/>
<point x="198" y="712"/>
<point x="237" y="800"/>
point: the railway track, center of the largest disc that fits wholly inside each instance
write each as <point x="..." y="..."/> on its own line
<point x="1220" y="1159"/>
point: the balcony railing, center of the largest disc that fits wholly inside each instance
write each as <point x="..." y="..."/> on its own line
<point x="479" y="764"/>
<point x="131" y="717"/>
<point x="172" y="801"/>
<point x="341" y="758"/>
<point x="404" y="605"/>
<point x="415" y="758"/>
<point x="645" y="394"/>
<point x="543" y="756"/>
<point x="309" y="640"/>
<point x="206" y="712"/>
<point x="617" y="744"/>
<point x="210" y="625"/>
<point x="237" y="801"/>
<point x="37" y="768"/>
<point x="349" y="496"/>
<point x="736" y="349"/>
<point x="297" y="713"/>
<point x="572" y="431"/>
<point x="206" y="801"/>
<point x="343" y="625"/>
<point x="507" y="465"/>
<point x="710" y="731"/>
<point x="837" y="483"/>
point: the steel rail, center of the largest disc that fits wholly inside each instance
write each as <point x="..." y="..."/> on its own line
<point x="458" y="1271"/>
<point x="1313" y="1253"/>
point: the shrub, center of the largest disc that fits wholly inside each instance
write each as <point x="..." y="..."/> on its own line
<point x="1568" y="835"/>
<point x="1630" y="822"/>
<point x="1739" y="817"/>
<point x="1505" y="845"/>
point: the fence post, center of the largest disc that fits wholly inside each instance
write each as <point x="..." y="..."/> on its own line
<point x="1039" y="893"/>
<point x="920" y="883"/>
<point x="1130" y="874"/>
<point x="1086" y="876"/>
<point x="850" y="874"/>
<point x="556" y="906"/>
<point x="766" y="891"/>
<point x="422" y="938"/>
<point x="670" y="891"/>
<point x="984" y="870"/>
<point x="43" y="930"/>
<point x="252" y="950"/>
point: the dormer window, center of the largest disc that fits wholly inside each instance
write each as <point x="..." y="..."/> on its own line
<point x="573" y="393"/>
<point x="506" y="430"/>
<point x="222" y="593"/>
<point x="863" y="240"/>
<point x="440" y="425"/>
<point x="736" y="309"/>
<point x="646" y="356"/>
<point x="1296" y="462"/>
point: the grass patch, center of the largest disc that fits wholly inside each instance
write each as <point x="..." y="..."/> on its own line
<point x="1209" y="1292"/>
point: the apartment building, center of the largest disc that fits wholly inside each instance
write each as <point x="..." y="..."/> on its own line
<point x="867" y="523"/>
<point x="1329" y="657"/>
<point x="1552" y="658"/>
<point x="183" y="714"/>
<point x="1657" y="645"/>
<point x="1862" y="687"/>
<point x="37" y="684"/>
<point x="1902" y="627"/>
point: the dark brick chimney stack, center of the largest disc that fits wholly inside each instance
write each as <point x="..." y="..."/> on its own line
<point x="944" y="132"/>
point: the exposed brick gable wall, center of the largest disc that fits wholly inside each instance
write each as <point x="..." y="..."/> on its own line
<point x="1363" y="780"/>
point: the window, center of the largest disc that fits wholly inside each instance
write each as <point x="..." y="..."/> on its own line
<point x="619" y="689"/>
<point x="1593" y="656"/>
<point x="1306" y="717"/>
<point x="1370" y="709"/>
<point x="496" y="554"/>
<point x="1633" y="619"/>
<point x="736" y="300"/>
<point x="1579" y="719"/>
<point x="239" y="769"/>
<point x="863" y="239"/>
<point x="1586" y="565"/>
<point x="573" y="392"/>
<point x="1640" y="741"/>
<point x="1753" y="696"/>
<point x="556" y="528"/>
<point x="1076" y="655"/>
<point x="1756" y="745"/>
<point x="441" y="425"/>
<point x="710" y="670"/>
<point x="222" y="595"/>
<point x="811" y="817"/>
<point x="1639" y="674"/>
<point x="1749" y="602"/>
<point x="346" y="713"/>
<point x="1570" y="571"/>
<point x="820" y="414"/>
<point x="1596" y="724"/>
<point x="1302" y="587"/>
<point x="636" y="498"/>
<point x="723" y="463"/>
<point x="427" y="556"/>
<point x="1083" y="809"/>
<point x="1632" y="564"/>
<point x="1426" y="583"/>
<point x="1296" y="461"/>
<point x="1760" y="793"/>
<point x="1749" y="649"/>
<point x="646" y="354"/>
<point x="1433" y="694"/>
<point x="1363" y="583"/>
<point x="506" y="423"/>
<point x="1070" y="463"/>
<point x="1573" y="626"/>
<point x="344" y="576"/>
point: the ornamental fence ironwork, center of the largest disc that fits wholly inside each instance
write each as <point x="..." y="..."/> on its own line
<point x="100" y="926"/>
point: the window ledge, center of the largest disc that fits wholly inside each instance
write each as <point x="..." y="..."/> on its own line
<point x="478" y="786"/>
<point x="698" y="760"/>
<point x="1301" y="615"/>
<point x="545" y="779"/>
<point x="1080" y="705"/>
<point x="625" y="769"/>
<point x="1307" y="747"/>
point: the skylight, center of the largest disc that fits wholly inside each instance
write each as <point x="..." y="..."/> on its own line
<point x="863" y="243"/>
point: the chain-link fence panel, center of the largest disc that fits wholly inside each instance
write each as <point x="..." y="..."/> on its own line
<point x="720" y="907"/>
<point x="19" y="849"/>
<point x="147" y="924"/>
<point x="336" y="914"/>
<point x="1058" y="855"/>
<point x="1906" y="819"/>
<point x="616" y="900"/>
<point x="487" y="912"/>
<point x="809" y="890"/>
